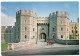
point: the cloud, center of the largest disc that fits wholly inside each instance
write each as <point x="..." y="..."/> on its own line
<point x="7" y="20"/>
<point x="67" y="6"/>
<point x="4" y="8"/>
<point x="17" y="8"/>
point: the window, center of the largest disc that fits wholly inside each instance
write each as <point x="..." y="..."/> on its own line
<point x="53" y="29"/>
<point x="53" y="36"/>
<point x="33" y="37"/>
<point x="61" y="36"/>
<point x="72" y="31"/>
<point x="33" y="29"/>
<point x="67" y="29"/>
<point x="18" y="29"/>
<point x="25" y="36"/>
<point x="42" y="28"/>
<point x="25" y="28"/>
<point x="76" y="31"/>
<point x="76" y="27"/>
<point x="25" y="20"/>
<point x="61" y="29"/>
<point x="33" y="22"/>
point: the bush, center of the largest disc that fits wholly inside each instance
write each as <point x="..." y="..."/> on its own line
<point x="72" y="37"/>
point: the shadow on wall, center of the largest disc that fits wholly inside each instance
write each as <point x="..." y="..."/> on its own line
<point x="67" y="42"/>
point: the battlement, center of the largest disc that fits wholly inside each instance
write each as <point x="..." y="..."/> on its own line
<point x="42" y="17"/>
<point x="9" y="26"/>
<point x="26" y="12"/>
<point x="3" y="27"/>
<point x="60" y="13"/>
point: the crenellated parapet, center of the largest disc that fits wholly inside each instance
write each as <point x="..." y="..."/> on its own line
<point x="27" y="13"/>
<point x="59" y="14"/>
<point x="43" y="20"/>
<point x="42" y="17"/>
<point x="9" y="27"/>
<point x="3" y="27"/>
<point x="52" y="14"/>
<point x="62" y="14"/>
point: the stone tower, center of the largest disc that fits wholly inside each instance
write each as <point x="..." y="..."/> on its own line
<point x="62" y="25"/>
<point x="52" y="25"/>
<point x="26" y="25"/>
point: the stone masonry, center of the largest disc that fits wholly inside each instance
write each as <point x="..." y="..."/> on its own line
<point x="29" y="26"/>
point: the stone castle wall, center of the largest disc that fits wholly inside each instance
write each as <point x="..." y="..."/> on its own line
<point x="29" y="26"/>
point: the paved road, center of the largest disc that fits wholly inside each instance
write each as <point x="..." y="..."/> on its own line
<point x="71" y="50"/>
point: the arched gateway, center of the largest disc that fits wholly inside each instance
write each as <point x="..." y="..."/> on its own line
<point x="42" y="37"/>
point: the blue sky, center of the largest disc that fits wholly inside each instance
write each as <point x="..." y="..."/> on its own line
<point x="42" y="8"/>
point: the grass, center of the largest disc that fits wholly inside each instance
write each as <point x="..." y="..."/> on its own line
<point x="4" y="47"/>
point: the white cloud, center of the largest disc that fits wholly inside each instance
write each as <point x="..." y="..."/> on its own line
<point x="17" y="8"/>
<point x="67" y="6"/>
<point x="4" y="8"/>
<point x="7" y="20"/>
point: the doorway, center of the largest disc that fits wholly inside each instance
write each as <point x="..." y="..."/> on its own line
<point x="43" y="37"/>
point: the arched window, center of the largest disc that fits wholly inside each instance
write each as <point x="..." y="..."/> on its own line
<point x="25" y="36"/>
<point x="53" y="36"/>
<point x="72" y="31"/>
<point x="76" y="27"/>
<point x="61" y="29"/>
<point x="53" y="29"/>
<point x="33" y="29"/>
<point x="42" y="28"/>
<point x="25" y="21"/>
<point x="25" y="28"/>
<point x="17" y="29"/>
<point x="76" y="31"/>
<point x="33" y="37"/>
<point x="61" y="36"/>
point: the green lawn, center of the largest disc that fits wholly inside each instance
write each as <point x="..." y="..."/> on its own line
<point x="4" y="47"/>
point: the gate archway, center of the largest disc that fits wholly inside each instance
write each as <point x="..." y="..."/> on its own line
<point x="43" y="37"/>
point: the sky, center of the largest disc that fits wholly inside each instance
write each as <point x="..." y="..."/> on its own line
<point x="43" y="9"/>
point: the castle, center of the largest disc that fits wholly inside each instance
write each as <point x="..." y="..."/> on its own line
<point x="29" y="26"/>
